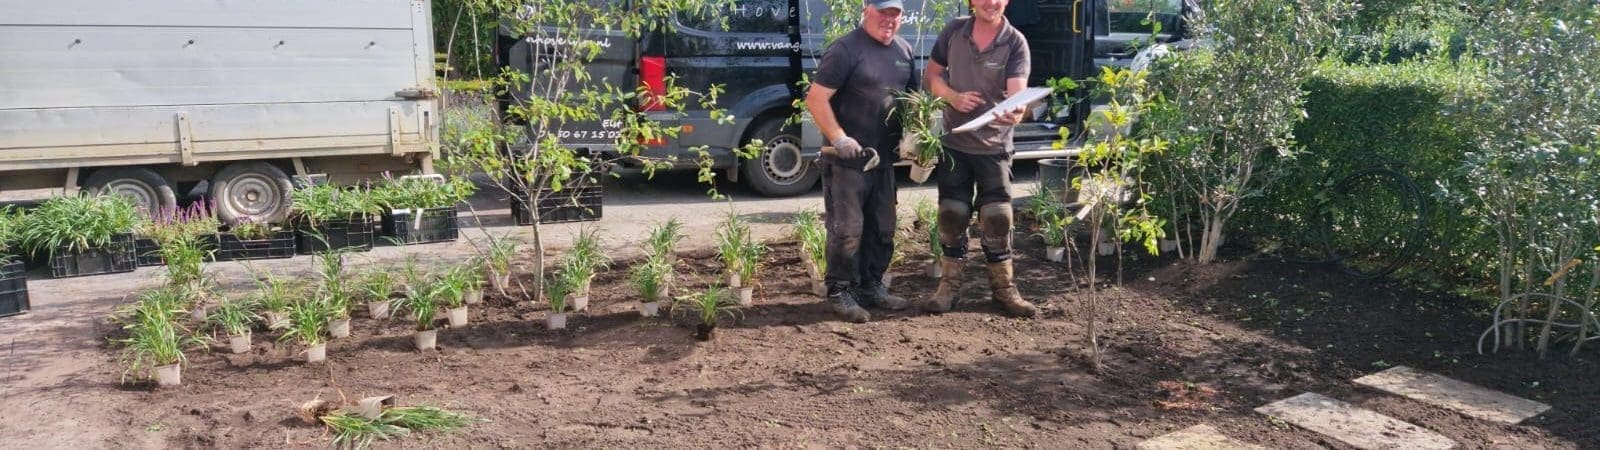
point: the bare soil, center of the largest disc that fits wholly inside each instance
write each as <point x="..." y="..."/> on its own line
<point x="1188" y="344"/>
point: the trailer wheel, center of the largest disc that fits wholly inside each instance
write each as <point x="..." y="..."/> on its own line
<point x="251" y="191"/>
<point x="147" y="188"/>
<point x="781" y="170"/>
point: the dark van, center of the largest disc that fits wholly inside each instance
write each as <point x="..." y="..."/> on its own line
<point x="766" y="48"/>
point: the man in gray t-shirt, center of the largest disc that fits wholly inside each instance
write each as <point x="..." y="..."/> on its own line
<point x="852" y="100"/>
<point x="976" y="63"/>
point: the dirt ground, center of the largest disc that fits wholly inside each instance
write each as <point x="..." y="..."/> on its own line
<point x="1188" y="344"/>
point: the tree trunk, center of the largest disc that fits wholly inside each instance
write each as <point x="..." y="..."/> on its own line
<point x="1585" y="316"/>
<point x="1211" y="239"/>
<point x="538" y="260"/>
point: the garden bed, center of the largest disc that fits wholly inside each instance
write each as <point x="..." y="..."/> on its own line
<point x="1191" y="344"/>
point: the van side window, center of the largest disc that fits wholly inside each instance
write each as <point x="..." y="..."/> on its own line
<point x="744" y="16"/>
<point x="1126" y="15"/>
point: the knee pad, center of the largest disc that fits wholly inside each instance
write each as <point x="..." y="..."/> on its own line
<point x="995" y="221"/>
<point x="954" y="216"/>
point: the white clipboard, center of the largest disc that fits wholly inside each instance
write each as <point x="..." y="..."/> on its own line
<point x="1028" y="95"/>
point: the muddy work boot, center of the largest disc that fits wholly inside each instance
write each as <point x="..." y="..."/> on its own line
<point x="949" y="286"/>
<point x="1004" y="291"/>
<point x="876" y="295"/>
<point x="843" y="300"/>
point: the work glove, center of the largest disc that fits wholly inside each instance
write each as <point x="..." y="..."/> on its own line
<point x="846" y="147"/>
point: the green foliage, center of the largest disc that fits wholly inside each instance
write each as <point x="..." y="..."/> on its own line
<point x="421" y="192"/>
<point x="918" y="113"/>
<point x="76" y="223"/>
<point x="1113" y="186"/>
<point x="650" y="276"/>
<point x="185" y="256"/>
<point x="198" y="219"/>
<point x="10" y="227"/>
<point x="557" y="286"/>
<point x="709" y="306"/>
<point x="251" y="231"/>
<point x="664" y="238"/>
<point x="737" y="247"/>
<point x="357" y="432"/>
<point x="156" y="337"/>
<point x="813" y="238"/>
<point x="234" y="317"/>
<point x="586" y="257"/>
<point x="334" y="290"/>
<point x="424" y="302"/>
<point x="378" y="284"/>
<point x="276" y="294"/>
<point x="928" y="221"/>
<point x="326" y="202"/>
<point x="452" y="285"/>
<point x="308" y="322"/>
<point x="499" y="254"/>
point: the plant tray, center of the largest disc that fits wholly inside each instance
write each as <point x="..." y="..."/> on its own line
<point x="573" y="204"/>
<point x="116" y="257"/>
<point x="353" y="234"/>
<point x="149" y="253"/>
<point x="435" y="225"/>
<point x="13" y="287"/>
<point x="280" y="245"/>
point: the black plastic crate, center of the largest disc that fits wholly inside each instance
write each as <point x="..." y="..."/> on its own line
<point x="281" y="245"/>
<point x="435" y="225"/>
<point x="572" y="204"/>
<point x="115" y="257"/>
<point x="149" y="253"/>
<point x="352" y="234"/>
<point x="13" y="287"/>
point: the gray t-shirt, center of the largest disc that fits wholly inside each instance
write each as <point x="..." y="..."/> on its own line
<point x="967" y="69"/>
<point x="866" y="75"/>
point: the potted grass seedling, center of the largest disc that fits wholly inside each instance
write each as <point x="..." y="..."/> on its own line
<point x="813" y="239"/>
<point x="652" y="279"/>
<point x="185" y="257"/>
<point x="923" y="133"/>
<point x="581" y="263"/>
<point x="423" y="303"/>
<point x="452" y="287"/>
<point x="471" y="281"/>
<point x="156" y="338"/>
<point x="274" y="296"/>
<point x="709" y="306"/>
<point x="334" y="291"/>
<point x="234" y="318"/>
<point x="379" y="287"/>
<point x="308" y="324"/>
<point x="197" y="221"/>
<point x="928" y="222"/>
<point x="749" y="265"/>
<point x="557" y="287"/>
<point x="732" y="238"/>
<point x="82" y="235"/>
<point x="497" y="263"/>
<point x="1053" y="229"/>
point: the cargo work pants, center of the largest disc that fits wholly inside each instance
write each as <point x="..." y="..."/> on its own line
<point x="966" y="180"/>
<point x="860" y="209"/>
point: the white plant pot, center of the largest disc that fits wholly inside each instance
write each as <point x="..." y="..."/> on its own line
<point x="556" y="321"/>
<point x="579" y="302"/>
<point x="747" y="296"/>
<point x="935" y="270"/>
<point x="339" y="328"/>
<point x="198" y="313"/>
<point x="427" y="340"/>
<point x="473" y="297"/>
<point x="919" y="174"/>
<point x="734" y="281"/>
<point x="1169" y="245"/>
<point x="888" y="278"/>
<point x="239" y="344"/>
<point x="379" y="309"/>
<point x="317" y="353"/>
<point x="497" y="281"/>
<point x="663" y="293"/>
<point x="458" y="317"/>
<point x="277" y="320"/>
<point x="649" y="309"/>
<point x="1056" y="254"/>
<point x="1106" y="248"/>
<point x="819" y="288"/>
<point x="169" y="375"/>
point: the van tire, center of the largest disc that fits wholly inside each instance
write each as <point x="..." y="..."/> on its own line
<point x="148" y="189"/>
<point x="251" y="191"/>
<point x="781" y="170"/>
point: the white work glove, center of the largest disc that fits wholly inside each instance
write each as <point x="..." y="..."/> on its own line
<point x="846" y="147"/>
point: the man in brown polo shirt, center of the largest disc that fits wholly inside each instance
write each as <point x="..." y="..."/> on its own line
<point x="976" y="63"/>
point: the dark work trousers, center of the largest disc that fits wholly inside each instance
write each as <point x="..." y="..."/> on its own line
<point x="860" y="209"/>
<point x="975" y="184"/>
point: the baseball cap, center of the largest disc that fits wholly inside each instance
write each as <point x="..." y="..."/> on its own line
<point x="883" y="4"/>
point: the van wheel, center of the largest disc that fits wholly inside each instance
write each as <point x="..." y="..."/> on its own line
<point x="251" y="191"/>
<point x="147" y="188"/>
<point x="781" y="170"/>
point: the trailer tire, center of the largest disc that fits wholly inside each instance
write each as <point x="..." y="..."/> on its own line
<point x="780" y="170"/>
<point x="148" y="189"/>
<point x="251" y="191"/>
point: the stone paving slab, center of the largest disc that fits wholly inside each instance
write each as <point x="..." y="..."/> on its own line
<point x="1460" y="396"/>
<point x="1198" y="437"/>
<point x="1360" y="428"/>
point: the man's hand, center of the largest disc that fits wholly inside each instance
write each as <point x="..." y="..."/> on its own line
<point x="1006" y="119"/>
<point x="967" y="101"/>
<point x="846" y="147"/>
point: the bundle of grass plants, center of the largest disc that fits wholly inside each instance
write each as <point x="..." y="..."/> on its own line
<point x="421" y="192"/>
<point x="156" y="336"/>
<point x="75" y="224"/>
<point x="325" y="202"/>
<point x="733" y="241"/>
<point x="358" y="432"/>
<point x="185" y="257"/>
<point x="664" y="238"/>
<point x="586" y="257"/>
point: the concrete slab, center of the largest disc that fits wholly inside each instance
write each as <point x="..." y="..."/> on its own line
<point x="1360" y="428"/>
<point x="1463" y="397"/>
<point x="1198" y="437"/>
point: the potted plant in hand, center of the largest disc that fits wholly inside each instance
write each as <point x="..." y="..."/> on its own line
<point x="379" y="287"/>
<point x="308" y="324"/>
<point x="923" y="133"/>
<point x="557" y="288"/>
<point x="581" y="263"/>
<point x="235" y="318"/>
<point x="82" y="235"/>
<point x="709" y="306"/>
<point x="813" y="239"/>
<point x="156" y="339"/>
<point x="651" y="279"/>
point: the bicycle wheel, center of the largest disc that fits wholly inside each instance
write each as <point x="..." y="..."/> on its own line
<point x="1372" y="221"/>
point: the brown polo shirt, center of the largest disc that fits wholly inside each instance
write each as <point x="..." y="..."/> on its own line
<point x="966" y="68"/>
